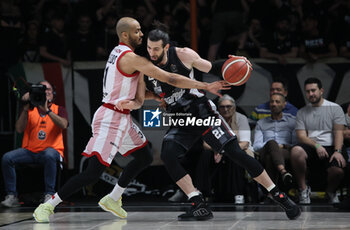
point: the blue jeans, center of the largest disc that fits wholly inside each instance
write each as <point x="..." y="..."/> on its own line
<point x="49" y="158"/>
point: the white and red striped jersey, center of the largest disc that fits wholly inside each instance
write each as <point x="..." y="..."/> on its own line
<point x="118" y="85"/>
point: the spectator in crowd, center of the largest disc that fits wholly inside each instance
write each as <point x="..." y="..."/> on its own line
<point x="273" y="138"/>
<point x="145" y="13"/>
<point x="229" y="179"/>
<point x="10" y="33"/>
<point x="320" y="10"/>
<point x="347" y="130"/>
<point x="315" y="44"/>
<point x="319" y="129"/>
<point x="83" y="40"/>
<point x="29" y="46"/>
<point x="107" y="36"/>
<point x="42" y="143"/>
<point x="54" y="45"/>
<point x="344" y="46"/>
<point x="227" y="18"/>
<point x="105" y="7"/>
<point x="281" y="44"/>
<point x="252" y="39"/>
<point x="293" y="10"/>
<point x="263" y="110"/>
<point x="345" y="204"/>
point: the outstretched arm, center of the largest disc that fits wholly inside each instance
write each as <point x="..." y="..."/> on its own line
<point x="191" y="59"/>
<point x="131" y="62"/>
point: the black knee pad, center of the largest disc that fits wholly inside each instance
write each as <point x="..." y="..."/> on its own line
<point x="170" y="156"/>
<point x="233" y="151"/>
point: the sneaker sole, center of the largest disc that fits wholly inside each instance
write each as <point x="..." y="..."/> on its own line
<point x="39" y="221"/>
<point x="198" y="218"/>
<point x="295" y="217"/>
<point x="111" y="211"/>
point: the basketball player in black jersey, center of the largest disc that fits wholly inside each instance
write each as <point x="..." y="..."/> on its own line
<point x="179" y="139"/>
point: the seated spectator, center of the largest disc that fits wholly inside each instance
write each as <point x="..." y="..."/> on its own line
<point x="251" y="40"/>
<point x="107" y="38"/>
<point x="273" y="138"/>
<point x="29" y="46"/>
<point x="83" y="40"/>
<point x="344" y="46"/>
<point x="229" y="179"/>
<point x="42" y="144"/>
<point x="293" y="10"/>
<point x="345" y="204"/>
<point x="263" y="110"/>
<point x="281" y="44"/>
<point x="227" y="19"/>
<point x="315" y="44"/>
<point x="340" y="15"/>
<point x="347" y="130"/>
<point x="10" y="33"/>
<point x="54" y="45"/>
<point x="319" y="129"/>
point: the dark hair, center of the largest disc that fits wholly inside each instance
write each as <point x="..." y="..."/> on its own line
<point x="281" y="95"/>
<point x="159" y="33"/>
<point x="283" y="82"/>
<point x="313" y="80"/>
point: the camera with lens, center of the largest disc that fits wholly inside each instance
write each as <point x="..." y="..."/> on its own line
<point x="37" y="95"/>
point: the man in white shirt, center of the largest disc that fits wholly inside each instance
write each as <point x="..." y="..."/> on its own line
<point x="319" y="129"/>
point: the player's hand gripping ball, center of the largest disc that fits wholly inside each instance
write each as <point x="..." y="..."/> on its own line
<point x="236" y="70"/>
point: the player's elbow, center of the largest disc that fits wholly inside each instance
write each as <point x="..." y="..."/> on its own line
<point x="172" y="80"/>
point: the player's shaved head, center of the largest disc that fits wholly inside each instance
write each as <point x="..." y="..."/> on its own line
<point x="124" y="24"/>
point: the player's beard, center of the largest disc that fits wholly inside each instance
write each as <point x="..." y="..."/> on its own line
<point x="135" y="42"/>
<point x="159" y="59"/>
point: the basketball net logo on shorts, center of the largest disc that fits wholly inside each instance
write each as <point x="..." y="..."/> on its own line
<point x="155" y="118"/>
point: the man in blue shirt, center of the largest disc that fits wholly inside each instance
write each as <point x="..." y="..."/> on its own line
<point x="263" y="110"/>
<point x="273" y="139"/>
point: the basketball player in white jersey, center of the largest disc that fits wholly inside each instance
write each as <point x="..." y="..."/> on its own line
<point x="113" y="129"/>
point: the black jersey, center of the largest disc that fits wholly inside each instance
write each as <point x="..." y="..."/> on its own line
<point x="189" y="101"/>
<point x="175" y="98"/>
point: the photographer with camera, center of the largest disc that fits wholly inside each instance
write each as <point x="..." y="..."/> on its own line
<point x="42" y="122"/>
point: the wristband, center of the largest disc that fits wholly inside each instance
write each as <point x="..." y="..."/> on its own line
<point x="317" y="146"/>
<point x="48" y="111"/>
<point x="338" y="150"/>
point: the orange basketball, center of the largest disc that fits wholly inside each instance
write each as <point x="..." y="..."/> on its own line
<point x="236" y="71"/>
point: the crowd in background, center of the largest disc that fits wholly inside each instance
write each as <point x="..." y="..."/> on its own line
<point x="84" y="30"/>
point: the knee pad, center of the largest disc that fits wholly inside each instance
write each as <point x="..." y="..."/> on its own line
<point x="236" y="154"/>
<point x="170" y="156"/>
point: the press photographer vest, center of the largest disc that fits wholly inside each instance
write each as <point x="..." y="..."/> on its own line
<point x="41" y="133"/>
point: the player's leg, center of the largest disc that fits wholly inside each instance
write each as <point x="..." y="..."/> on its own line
<point x="113" y="202"/>
<point x="90" y="175"/>
<point x="257" y="172"/>
<point x="222" y="139"/>
<point x="171" y="150"/>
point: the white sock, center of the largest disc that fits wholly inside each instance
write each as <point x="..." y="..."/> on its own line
<point x="192" y="194"/>
<point x="116" y="192"/>
<point x="55" y="200"/>
<point x="270" y="187"/>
